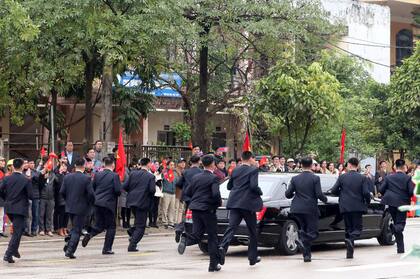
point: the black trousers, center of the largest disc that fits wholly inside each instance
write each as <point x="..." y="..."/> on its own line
<point x="140" y="219"/>
<point x="77" y="222"/>
<point x="308" y="231"/>
<point x="235" y="218"/>
<point x="18" y="228"/>
<point x="353" y="222"/>
<point x="399" y="218"/>
<point x="154" y="211"/>
<point x="104" y="220"/>
<point x="205" y="222"/>
<point x="63" y="217"/>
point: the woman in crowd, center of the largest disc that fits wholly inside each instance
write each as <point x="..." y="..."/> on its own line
<point x="324" y="166"/>
<point x="332" y="169"/>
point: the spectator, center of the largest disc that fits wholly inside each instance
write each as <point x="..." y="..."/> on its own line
<point x="154" y="209"/>
<point x="47" y="182"/>
<point x="341" y="169"/>
<point x="279" y="164"/>
<point x="381" y="174"/>
<point x="196" y="150"/>
<point x="220" y="169"/>
<point x="332" y="169"/>
<point x="179" y="205"/>
<point x="232" y="166"/>
<point x="324" y="165"/>
<point x="71" y="155"/>
<point x="60" y="204"/>
<point x="97" y="159"/>
<point x="291" y="164"/>
<point x="168" y="201"/>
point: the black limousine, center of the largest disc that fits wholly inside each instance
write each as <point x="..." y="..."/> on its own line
<point x="278" y="229"/>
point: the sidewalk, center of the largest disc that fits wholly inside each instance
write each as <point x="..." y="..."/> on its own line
<point x="121" y="233"/>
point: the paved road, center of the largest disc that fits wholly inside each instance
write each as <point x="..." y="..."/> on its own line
<point x="158" y="259"/>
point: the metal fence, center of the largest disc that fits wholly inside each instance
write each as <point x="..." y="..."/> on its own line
<point x="159" y="152"/>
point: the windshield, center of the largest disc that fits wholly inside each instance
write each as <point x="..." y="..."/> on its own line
<point x="266" y="184"/>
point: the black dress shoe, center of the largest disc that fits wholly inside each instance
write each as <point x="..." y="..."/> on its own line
<point x="182" y="245"/>
<point x="222" y="255"/>
<point x="350" y="248"/>
<point x="3" y="235"/>
<point x="254" y="262"/>
<point x="86" y="239"/>
<point x="16" y="255"/>
<point x="8" y="259"/>
<point x="307" y="259"/>
<point x="178" y="236"/>
<point x="108" y="253"/>
<point x="70" y="255"/>
<point x="132" y="248"/>
<point x="214" y="268"/>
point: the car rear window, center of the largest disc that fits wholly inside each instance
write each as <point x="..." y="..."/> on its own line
<point x="266" y="184"/>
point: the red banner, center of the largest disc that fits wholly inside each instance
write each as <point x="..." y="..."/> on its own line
<point x="247" y="143"/>
<point x="121" y="158"/>
<point x="343" y="145"/>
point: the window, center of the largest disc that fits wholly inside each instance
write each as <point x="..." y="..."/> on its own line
<point x="404" y="42"/>
<point x="166" y="137"/>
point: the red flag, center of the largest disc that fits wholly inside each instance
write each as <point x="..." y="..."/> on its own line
<point x="121" y="158"/>
<point x="169" y="175"/>
<point x="263" y="161"/>
<point x="190" y="145"/>
<point x="49" y="164"/>
<point x="63" y="154"/>
<point x="247" y="143"/>
<point x="43" y="152"/>
<point x="343" y="145"/>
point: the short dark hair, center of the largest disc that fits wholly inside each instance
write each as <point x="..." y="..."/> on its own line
<point x="246" y="155"/>
<point x="108" y="161"/>
<point x="306" y="162"/>
<point x="18" y="163"/>
<point x="79" y="162"/>
<point x="368" y="165"/>
<point x="383" y="161"/>
<point x="282" y="157"/>
<point x="194" y="146"/>
<point x="274" y="157"/>
<point x="231" y="161"/>
<point x="353" y="161"/>
<point x="97" y="142"/>
<point x="145" y="161"/>
<point x="399" y="163"/>
<point x="207" y="160"/>
<point x="195" y="159"/>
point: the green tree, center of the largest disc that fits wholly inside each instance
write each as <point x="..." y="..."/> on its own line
<point x="296" y="99"/>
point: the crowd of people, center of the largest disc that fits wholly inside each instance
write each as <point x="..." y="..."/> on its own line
<point x="152" y="193"/>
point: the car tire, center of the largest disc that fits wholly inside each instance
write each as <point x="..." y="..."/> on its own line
<point x="386" y="238"/>
<point x="204" y="247"/>
<point x="288" y="235"/>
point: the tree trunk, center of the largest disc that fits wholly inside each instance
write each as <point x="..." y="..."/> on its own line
<point x="89" y="76"/>
<point x="200" y="117"/>
<point x="107" y="102"/>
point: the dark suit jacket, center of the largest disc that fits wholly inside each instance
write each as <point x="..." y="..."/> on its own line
<point x="185" y="180"/>
<point x="70" y="167"/>
<point x="78" y="193"/>
<point x="306" y="189"/>
<point x="204" y="192"/>
<point x="16" y="190"/>
<point x="140" y="187"/>
<point x="397" y="189"/>
<point x="244" y="191"/>
<point x="107" y="188"/>
<point x="353" y="191"/>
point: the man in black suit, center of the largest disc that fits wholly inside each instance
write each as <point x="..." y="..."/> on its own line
<point x="78" y="194"/>
<point x="244" y="201"/>
<point x="71" y="156"/>
<point x="305" y="189"/>
<point x="107" y="187"/>
<point x="204" y="199"/>
<point x="397" y="190"/>
<point x="354" y="196"/>
<point x="16" y="190"/>
<point x="140" y="187"/>
<point x="183" y="183"/>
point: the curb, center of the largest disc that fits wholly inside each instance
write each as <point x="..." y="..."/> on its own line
<point x="62" y="239"/>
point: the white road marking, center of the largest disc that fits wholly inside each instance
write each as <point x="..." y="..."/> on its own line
<point x="367" y="266"/>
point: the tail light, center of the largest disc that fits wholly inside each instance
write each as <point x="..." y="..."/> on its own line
<point x="260" y="214"/>
<point x="188" y="215"/>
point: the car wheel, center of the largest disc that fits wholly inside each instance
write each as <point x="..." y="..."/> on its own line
<point x="204" y="247"/>
<point x="288" y="236"/>
<point x="386" y="238"/>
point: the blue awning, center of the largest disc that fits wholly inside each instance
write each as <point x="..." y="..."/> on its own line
<point x="163" y="89"/>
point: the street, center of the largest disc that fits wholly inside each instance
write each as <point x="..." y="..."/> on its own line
<point x="158" y="258"/>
